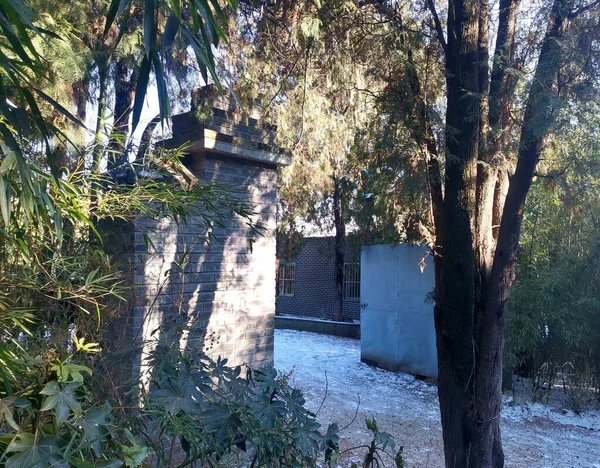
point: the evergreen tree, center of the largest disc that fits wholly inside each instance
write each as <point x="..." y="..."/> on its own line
<point x="478" y="223"/>
<point x="475" y="169"/>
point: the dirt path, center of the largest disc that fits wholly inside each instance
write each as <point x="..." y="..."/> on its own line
<point x="407" y="408"/>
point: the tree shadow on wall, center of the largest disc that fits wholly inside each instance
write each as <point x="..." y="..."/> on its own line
<point x="197" y="290"/>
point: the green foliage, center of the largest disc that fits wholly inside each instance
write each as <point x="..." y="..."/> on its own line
<point x="554" y="326"/>
<point x="49" y="417"/>
<point x="59" y="280"/>
<point x="308" y="75"/>
<point x="219" y="417"/>
<point x="22" y="64"/>
<point x="54" y="51"/>
<point x="338" y="79"/>
<point x="200" y="25"/>
<point x="57" y="268"/>
<point x="381" y="444"/>
<point x="290" y="242"/>
<point x="56" y="279"/>
<point x="181" y="199"/>
<point x="197" y="411"/>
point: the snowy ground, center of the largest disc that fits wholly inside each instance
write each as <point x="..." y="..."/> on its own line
<point x="334" y="381"/>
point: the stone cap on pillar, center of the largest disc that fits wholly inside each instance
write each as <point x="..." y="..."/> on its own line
<point x="217" y="124"/>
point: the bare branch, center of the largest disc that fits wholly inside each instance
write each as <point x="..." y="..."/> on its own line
<point x="146" y="137"/>
<point x="438" y="25"/>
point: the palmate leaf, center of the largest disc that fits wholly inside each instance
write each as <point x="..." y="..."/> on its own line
<point x="47" y="451"/>
<point x="385" y="440"/>
<point x="177" y="395"/>
<point x="6" y="411"/>
<point x="331" y="444"/>
<point x="62" y="400"/>
<point x="307" y="437"/>
<point x="66" y="370"/>
<point x="228" y="427"/>
<point x="273" y="412"/>
<point x="135" y="455"/>
<point x="93" y="427"/>
<point x="81" y="345"/>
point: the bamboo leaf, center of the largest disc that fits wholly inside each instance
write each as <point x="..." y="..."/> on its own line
<point x="21" y="18"/>
<point x="22" y="10"/>
<point x="170" y="32"/>
<point x="8" y="163"/>
<point x="5" y="201"/>
<point x="214" y="31"/>
<point x="24" y="170"/>
<point x="116" y="8"/>
<point x="149" y="26"/>
<point x="161" y="86"/>
<point x="219" y="11"/>
<point x="140" y="91"/>
<point x="13" y="39"/>
<point x="61" y="108"/>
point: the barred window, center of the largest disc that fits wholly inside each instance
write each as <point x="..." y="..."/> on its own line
<point x="286" y="280"/>
<point x="351" y="281"/>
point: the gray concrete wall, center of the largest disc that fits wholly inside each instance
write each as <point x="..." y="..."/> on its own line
<point x="397" y="329"/>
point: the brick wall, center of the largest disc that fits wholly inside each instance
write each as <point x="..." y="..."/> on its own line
<point x="213" y="294"/>
<point x="314" y="288"/>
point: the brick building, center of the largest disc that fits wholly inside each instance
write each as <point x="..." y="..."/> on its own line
<point x="306" y="283"/>
<point x="218" y="289"/>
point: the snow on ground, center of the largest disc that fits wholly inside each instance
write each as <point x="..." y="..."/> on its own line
<point x="337" y="385"/>
<point x="530" y="411"/>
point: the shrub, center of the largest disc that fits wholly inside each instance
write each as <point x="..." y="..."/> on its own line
<point x="48" y="416"/>
<point x="201" y="411"/>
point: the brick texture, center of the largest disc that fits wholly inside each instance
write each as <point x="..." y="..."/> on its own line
<point x="217" y="292"/>
<point x="314" y="288"/>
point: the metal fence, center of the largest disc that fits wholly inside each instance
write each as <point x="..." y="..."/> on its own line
<point x="351" y="281"/>
<point x="286" y="280"/>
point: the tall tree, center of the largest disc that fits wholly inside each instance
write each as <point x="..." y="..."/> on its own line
<point x="479" y="223"/>
<point x="308" y="62"/>
<point x="499" y="110"/>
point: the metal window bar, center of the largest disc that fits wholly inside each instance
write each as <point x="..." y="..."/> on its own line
<point x="352" y="281"/>
<point x="287" y="279"/>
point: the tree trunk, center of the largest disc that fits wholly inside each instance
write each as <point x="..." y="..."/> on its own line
<point x="81" y="94"/>
<point x="340" y="247"/>
<point x="477" y="260"/>
<point x="455" y="288"/>
<point x="125" y="84"/>
<point x="100" y="115"/>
